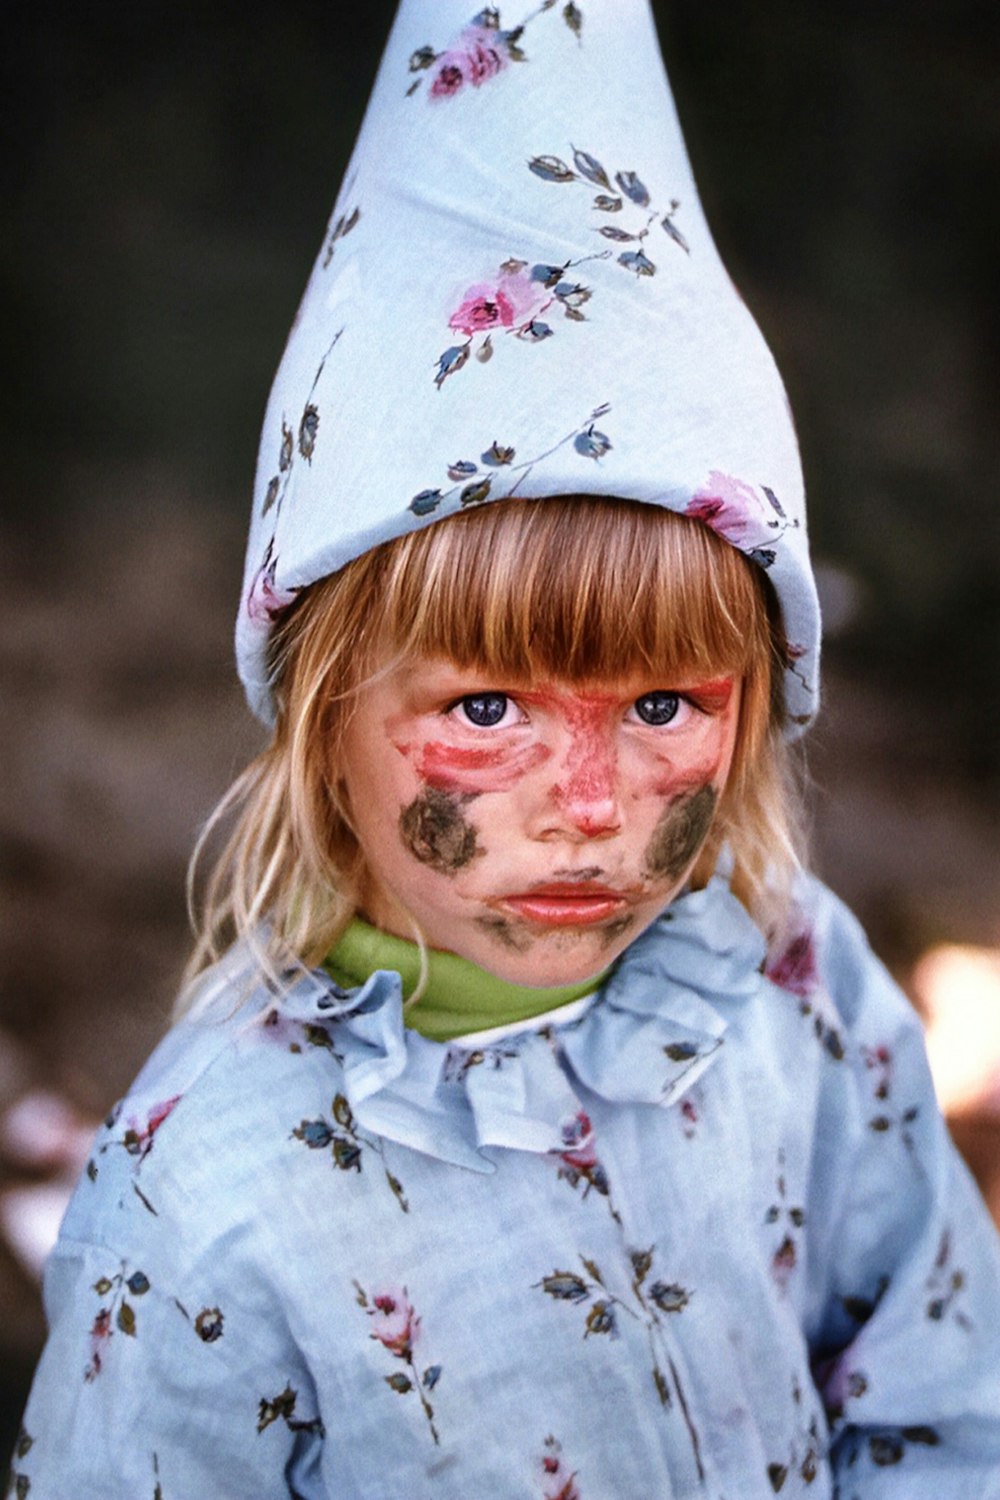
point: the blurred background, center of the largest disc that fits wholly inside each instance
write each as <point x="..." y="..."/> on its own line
<point x="166" y="181"/>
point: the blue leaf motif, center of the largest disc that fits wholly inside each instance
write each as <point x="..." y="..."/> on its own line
<point x="633" y="187"/>
<point x="565" y="1286"/>
<point x="497" y="455"/>
<point x="775" y="502"/>
<point x="316" y="1134"/>
<point x="592" y="444"/>
<point x="588" y="166"/>
<point x="535" y="331"/>
<point x="551" y="169"/>
<point x="450" y="362"/>
<point x="462" y="470"/>
<point x="426" y="502"/>
<point x="431" y="1377"/>
<point x="308" y="428"/>
<point x="637" y="261"/>
<point x="572" y="293"/>
<point x="271" y="496"/>
<point x="424" y="57"/>
<point x="547" y="275"/>
<point x="675" y="234"/>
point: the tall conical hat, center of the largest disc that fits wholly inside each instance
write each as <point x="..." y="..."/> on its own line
<point x="518" y="295"/>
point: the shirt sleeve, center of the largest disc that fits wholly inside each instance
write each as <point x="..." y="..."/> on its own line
<point x="907" y="1258"/>
<point x="139" y="1394"/>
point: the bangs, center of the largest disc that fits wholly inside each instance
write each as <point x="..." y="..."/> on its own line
<point x="580" y="588"/>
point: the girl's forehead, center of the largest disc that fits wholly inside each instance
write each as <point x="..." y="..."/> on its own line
<point x="430" y="667"/>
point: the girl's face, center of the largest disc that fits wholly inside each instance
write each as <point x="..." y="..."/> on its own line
<point x="535" y="830"/>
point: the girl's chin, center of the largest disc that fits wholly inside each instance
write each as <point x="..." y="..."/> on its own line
<point x="549" y="958"/>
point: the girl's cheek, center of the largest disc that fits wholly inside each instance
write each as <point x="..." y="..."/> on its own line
<point x="471" y="771"/>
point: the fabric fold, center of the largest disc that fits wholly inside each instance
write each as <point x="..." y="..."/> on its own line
<point x="646" y="1036"/>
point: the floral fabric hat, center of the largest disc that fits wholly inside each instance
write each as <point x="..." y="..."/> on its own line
<point x="518" y="295"/>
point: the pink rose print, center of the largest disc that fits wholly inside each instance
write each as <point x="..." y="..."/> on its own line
<point x="265" y="602"/>
<point x="510" y="301"/>
<point x="99" y="1335"/>
<point x="138" y="1139"/>
<point x="118" y="1315"/>
<point x="578" y="1133"/>
<point x="737" y="512"/>
<point x="557" y="1484"/>
<point x="396" y="1327"/>
<point x="690" y="1116"/>
<point x="579" y="1158"/>
<point x="793" y="967"/>
<point x="514" y="303"/>
<point x="394" y="1323"/>
<point x="480" y="53"/>
<point x="878" y="1061"/>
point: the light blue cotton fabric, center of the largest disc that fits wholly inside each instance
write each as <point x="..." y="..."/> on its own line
<point x="706" y="1238"/>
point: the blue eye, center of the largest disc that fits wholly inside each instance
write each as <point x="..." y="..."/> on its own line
<point x="485" y="709"/>
<point x="657" y="708"/>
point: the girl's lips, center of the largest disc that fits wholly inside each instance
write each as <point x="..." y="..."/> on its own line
<point x="566" y="905"/>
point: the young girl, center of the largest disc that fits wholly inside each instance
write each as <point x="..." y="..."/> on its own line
<point x="534" y="1125"/>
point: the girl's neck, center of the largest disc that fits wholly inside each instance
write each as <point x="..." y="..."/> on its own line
<point x="458" y="998"/>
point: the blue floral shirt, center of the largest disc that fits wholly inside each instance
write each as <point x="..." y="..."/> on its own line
<point x="701" y="1235"/>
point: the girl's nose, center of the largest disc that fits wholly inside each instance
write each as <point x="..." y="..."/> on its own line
<point x="583" y="801"/>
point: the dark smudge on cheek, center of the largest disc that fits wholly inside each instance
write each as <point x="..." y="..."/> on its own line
<point x="680" y="832"/>
<point x="436" y="832"/>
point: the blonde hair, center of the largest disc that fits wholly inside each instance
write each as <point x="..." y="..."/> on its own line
<point x="578" y="588"/>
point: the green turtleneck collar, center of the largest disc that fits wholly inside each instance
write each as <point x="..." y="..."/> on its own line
<point x="459" y="997"/>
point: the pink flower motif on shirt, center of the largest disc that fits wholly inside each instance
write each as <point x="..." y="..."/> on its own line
<point x="394" y="1322"/>
<point x="138" y="1138"/>
<point x="396" y="1326"/>
<point x="793" y="966"/>
<point x="578" y="1135"/>
<point x="579" y="1156"/>
<point x="557" y="1482"/>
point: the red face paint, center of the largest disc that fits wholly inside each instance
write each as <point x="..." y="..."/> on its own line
<point x="587" y="791"/>
<point x="711" y="697"/>
<point x="689" y="780"/>
<point x="451" y="768"/>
